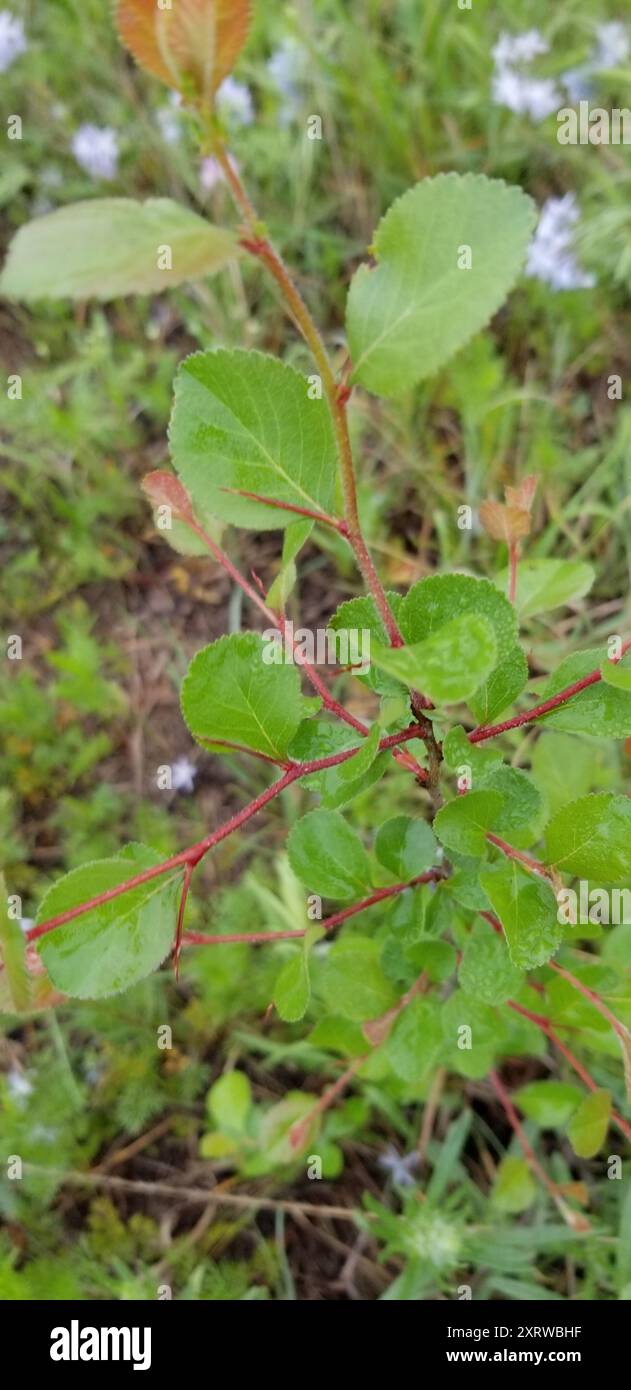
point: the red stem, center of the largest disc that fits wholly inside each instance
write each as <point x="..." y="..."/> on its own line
<point x="313" y="676"/>
<point x="240" y="748"/>
<point x="258" y="245"/>
<point x="481" y="734"/>
<point x="298" y="1132"/>
<point x="188" y="874"/>
<point x="196" y="852"/>
<point x="328" y="923"/>
<point x="512" y="853"/>
<point x="593" y="998"/>
<point x="546" y="1027"/>
<point x="338" y="525"/>
<point x="515" y="1123"/>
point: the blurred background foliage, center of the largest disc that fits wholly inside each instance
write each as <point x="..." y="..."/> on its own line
<point x="109" y="618"/>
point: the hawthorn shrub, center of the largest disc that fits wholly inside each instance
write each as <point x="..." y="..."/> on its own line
<point x="479" y="907"/>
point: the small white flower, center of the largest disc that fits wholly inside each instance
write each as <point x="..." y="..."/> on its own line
<point x="211" y="172"/>
<point x="614" y="45"/>
<point x="26" y="923"/>
<point x="578" y="83"/>
<point x="12" y="39"/>
<point x="399" y="1165"/>
<point x="519" y="48"/>
<point x="183" y="774"/>
<point x="551" y="255"/>
<point x="18" y="1084"/>
<point x="536" y="97"/>
<point x="95" y="149"/>
<point x="235" y="99"/>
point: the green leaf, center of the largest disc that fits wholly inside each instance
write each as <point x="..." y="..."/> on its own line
<point x="462" y="824"/>
<point x="464" y="885"/>
<point x="106" y="247"/>
<point x="230" y="693"/>
<point x="409" y="315"/>
<point x="486" y="970"/>
<point x="415" y="1040"/>
<point x="15" y="992"/>
<point x="502" y="688"/>
<point x="546" y="584"/>
<point x="276" y="1139"/>
<point x="589" y="1124"/>
<point x="341" y="791"/>
<point x="598" y="710"/>
<point x="616" y="949"/>
<point x="230" y="1102"/>
<point x="566" y="766"/>
<point x="616" y="674"/>
<point x="438" y="958"/>
<point x="549" y="1103"/>
<point x="338" y="1035"/>
<point x="338" y="791"/>
<point x="320" y="738"/>
<point x="296" y="535"/>
<point x="292" y="991"/>
<point x="111" y="947"/>
<point x="449" y="666"/>
<point x="354" y="769"/>
<point x="458" y="751"/>
<point x="362" y="615"/>
<point x="406" y="847"/>
<point x="437" y="600"/>
<point x="473" y="1033"/>
<point x="328" y="856"/>
<point x="527" y="909"/>
<point x="520" y="817"/>
<point x="591" y="838"/>
<point x="353" y="984"/>
<point x="243" y="420"/>
<point x="514" y="1188"/>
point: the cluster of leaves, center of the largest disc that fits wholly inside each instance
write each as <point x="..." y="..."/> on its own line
<point x="464" y="959"/>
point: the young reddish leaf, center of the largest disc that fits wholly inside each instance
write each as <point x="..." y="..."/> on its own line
<point x="193" y="45"/>
<point x="523" y="495"/>
<point x="165" y="490"/>
<point x="504" y="523"/>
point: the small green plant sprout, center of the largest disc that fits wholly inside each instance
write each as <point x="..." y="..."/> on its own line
<point x="439" y="947"/>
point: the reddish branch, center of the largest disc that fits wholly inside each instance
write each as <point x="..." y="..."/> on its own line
<point x="621" y="1032"/>
<point x="512" y="853"/>
<point x="492" y="730"/>
<point x="257" y="243"/>
<point x="260" y="937"/>
<point x="188" y="874"/>
<point x="276" y="621"/>
<point x="574" y="1219"/>
<point x="196" y="852"/>
<point x="375" y="1031"/>
<point x="547" y="1028"/>
<point x="323" y="517"/>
